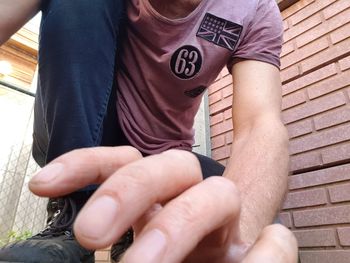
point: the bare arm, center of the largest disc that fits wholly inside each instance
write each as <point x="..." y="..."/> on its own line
<point x="259" y="156"/>
<point x="14" y="14"/>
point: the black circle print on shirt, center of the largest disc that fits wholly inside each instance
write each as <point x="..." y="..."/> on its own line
<point x="186" y="62"/>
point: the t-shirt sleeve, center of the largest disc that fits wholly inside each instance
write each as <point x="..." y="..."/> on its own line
<point x="263" y="38"/>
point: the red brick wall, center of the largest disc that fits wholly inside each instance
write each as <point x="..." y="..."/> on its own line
<point x="103" y="256"/>
<point x="316" y="110"/>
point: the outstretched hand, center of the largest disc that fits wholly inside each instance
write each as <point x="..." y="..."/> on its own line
<point x="177" y="217"/>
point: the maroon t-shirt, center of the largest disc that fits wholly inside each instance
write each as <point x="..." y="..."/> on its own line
<point x="167" y="64"/>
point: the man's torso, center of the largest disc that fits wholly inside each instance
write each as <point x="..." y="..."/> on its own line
<point x="174" y="9"/>
<point x="167" y="63"/>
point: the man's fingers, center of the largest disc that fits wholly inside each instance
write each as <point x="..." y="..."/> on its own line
<point x="146" y="217"/>
<point x="79" y="168"/>
<point x="185" y="221"/>
<point x="131" y="191"/>
<point x="276" y="244"/>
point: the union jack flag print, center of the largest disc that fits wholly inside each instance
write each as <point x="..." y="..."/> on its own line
<point x="219" y="31"/>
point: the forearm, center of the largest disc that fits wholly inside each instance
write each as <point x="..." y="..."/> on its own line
<point x="259" y="167"/>
<point x="14" y="14"/>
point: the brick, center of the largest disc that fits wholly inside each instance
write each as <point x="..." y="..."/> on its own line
<point x="286" y="219"/>
<point x="332" y="118"/>
<point x="339" y="193"/>
<point x="336" y="153"/>
<point x="305" y="198"/>
<point x="321" y="139"/>
<point x="344" y="63"/>
<point x="322" y="216"/>
<point x="215" y="97"/>
<point x="229" y="137"/>
<point x="309" y="79"/>
<point x="228" y="114"/>
<point x="214" y="119"/>
<point x="340" y="34"/>
<point x="227" y="91"/>
<point x="329" y="256"/>
<point x="223" y="162"/>
<point x="295" y="8"/>
<point x="221" y="128"/>
<point x="323" y="29"/>
<point x="293" y="99"/>
<point x="313" y="107"/>
<point x="299" y="128"/>
<point x="305" y="161"/>
<point x="221" y="105"/>
<point x="320" y="177"/>
<point x="326" y="56"/>
<point x="223" y="82"/>
<point x="289" y="73"/>
<point x="328" y="85"/>
<point x="303" y="27"/>
<point x="344" y="236"/>
<point x="309" y="10"/>
<point x="304" y="52"/>
<point x="221" y="153"/>
<point x="315" y="238"/>
<point x="102" y="255"/>
<point x="225" y="72"/>
<point x="287" y="48"/>
<point x="218" y="77"/>
<point x="217" y="141"/>
<point x="335" y="8"/>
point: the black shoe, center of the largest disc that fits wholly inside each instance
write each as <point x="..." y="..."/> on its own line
<point x="118" y="249"/>
<point x="56" y="243"/>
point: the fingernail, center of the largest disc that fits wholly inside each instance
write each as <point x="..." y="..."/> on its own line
<point x="96" y="219"/>
<point x="149" y="248"/>
<point x="48" y="173"/>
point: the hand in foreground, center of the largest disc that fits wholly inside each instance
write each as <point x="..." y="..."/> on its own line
<point x="177" y="216"/>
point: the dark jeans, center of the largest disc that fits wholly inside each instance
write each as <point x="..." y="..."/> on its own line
<point x="75" y="106"/>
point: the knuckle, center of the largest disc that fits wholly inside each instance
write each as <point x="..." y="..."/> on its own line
<point x="133" y="151"/>
<point x="177" y="217"/>
<point x="185" y="160"/>
<point x="139" y="180"/>
<point x="174" y="152"/>
<point x="225" y="186"/>
<point x="181" y="156"/>
<point x="225" y="192"/>
<point x="288" y="235"/>
<point x="284" y="239"/>
<point x="86" y="154"/>
<point x="187" y="210"/>
<point x="136" y="175"/>
<point x="278" y="230"/>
